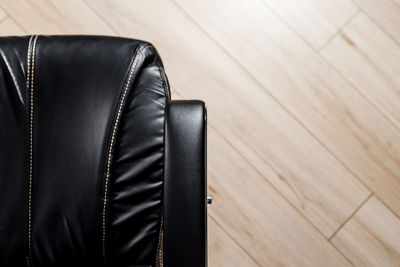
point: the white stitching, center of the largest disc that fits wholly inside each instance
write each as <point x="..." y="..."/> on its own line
<point x="30" y="87"/>
<point x="132" y="70"/>
<point x="28" y="77"/>
<point x="160" y="253"/>
<point x="28" y="67"/>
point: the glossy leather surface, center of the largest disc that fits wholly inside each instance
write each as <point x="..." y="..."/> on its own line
<point x="98" y="108"/>
<point x="185" y="187"/>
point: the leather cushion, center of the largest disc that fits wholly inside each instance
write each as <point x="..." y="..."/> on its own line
<point x="98" y="109"/>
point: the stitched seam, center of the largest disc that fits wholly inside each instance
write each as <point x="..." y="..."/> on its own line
<point x="30" y="86"/>
<point x="28" y="69"/>
<point x="115" y="127"/>
<point x="160" y="255"/>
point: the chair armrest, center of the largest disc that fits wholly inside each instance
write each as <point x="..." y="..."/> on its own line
<point x="185" y="185"/>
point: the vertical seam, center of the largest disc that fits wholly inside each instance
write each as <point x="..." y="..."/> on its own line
<point x="159" y="253"/>
<point x="28" y="69"/>
<point x="30" y="87"/>
<point x="110" y="150"/>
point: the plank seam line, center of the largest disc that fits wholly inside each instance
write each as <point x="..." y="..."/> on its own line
<point x="351" y="216"/>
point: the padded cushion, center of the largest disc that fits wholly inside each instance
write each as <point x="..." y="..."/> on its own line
<point x="81" y="151"/>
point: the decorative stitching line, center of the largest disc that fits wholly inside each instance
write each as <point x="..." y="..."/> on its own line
<point x="28" y="63"/>
<point x="28" y="69"/>
<point x="160" y="254"/>
<point x="115" y="127"/>
<point x="30" y="87"/>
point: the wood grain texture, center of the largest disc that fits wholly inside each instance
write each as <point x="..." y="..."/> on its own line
<point x="223" y="251"/>
<point x="243" y="112"/>
<point x="55" y="17"/>
<point x="3" y="14"/>
<point x="315" y="20"/>
<point x="370" y="60"/>
<point x="258" y="217"/>
<point x="336" y="114"/>
<point x="386" y="13"/>
<point x="9" y="27"/>
<point x="371" y="237"/>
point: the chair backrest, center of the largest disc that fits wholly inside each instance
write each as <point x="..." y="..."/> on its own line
<point x="81" y="151"/>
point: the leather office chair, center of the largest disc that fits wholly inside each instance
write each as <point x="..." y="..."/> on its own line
<point x="98" y="166"/>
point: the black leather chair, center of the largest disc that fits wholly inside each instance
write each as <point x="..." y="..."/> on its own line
<point x="98" y="166"/>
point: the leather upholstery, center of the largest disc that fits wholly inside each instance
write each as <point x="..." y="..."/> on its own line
<point x="81" y="151"/>
<point x="185" y="214"/>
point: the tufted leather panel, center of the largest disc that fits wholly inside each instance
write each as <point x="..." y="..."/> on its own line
<point x="81" y="151"/>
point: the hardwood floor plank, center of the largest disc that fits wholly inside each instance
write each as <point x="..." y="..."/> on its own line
<point x="371" y="237"/>
<point x="386" y="13"/>
<point x="344" y="121"/>
<point x="315" y="20"/>
<point x="55" y="17"/>
<point x="306" y="174"/>
<point x="3" y="14"/>
<point x="370" y="60"/>
<point x="258" y="217"/>
<point x="9" y="27"/>
<point x="223" y="251"/>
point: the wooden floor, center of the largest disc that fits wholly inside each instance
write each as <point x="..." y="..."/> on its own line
<point x="303" y="102"/>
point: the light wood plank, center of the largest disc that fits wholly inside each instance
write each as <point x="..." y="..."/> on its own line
<point x="55" y="17"/>
<point x="2" y="14"/>
<point x="386" y="13"/>
<point x="223" y="251"/>
<point x="370" y="60"/>
<point x="9" y="27"/>
<point x="371" y="237"/>
<point x="316" y="20"/>
<point x="241" y="110"/>
<point x="345" y="122"/>
<point x="258" y="217"/>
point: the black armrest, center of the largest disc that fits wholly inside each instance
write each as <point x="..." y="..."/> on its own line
<point x="185" y="207"/>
